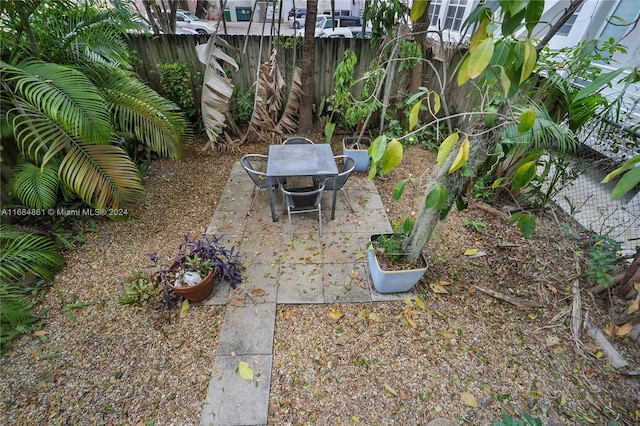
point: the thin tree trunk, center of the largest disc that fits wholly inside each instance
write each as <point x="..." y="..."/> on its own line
<point x="305" y="125"/>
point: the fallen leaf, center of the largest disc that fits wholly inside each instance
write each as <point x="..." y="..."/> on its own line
<point x="335" y="315"/>
<point x="407" y="300"/>
<point x="391" y="390"/>
<point x="355" y="419"/>
<point x="360" y="255"/>
<point x="343" y="339"/>
<point x="411" y="322"/>
<point x="40" y="333"/>
<point x="468" y="399"/>
<point x="610" y="329"/>
<point x="236" y="302"/>
<point x="245" y="370"/>
<point x="470" y="252"/>
<point x="624" y="329"/>
<point x="552" y="341"/>
<point x="532" y="316"/>
<point x="403" y="395"/>
<point x="364" y="313"/>
<point x="420" y="303"/>
<point x="437" y="288"/>
<point x="443" y="282"/>
<point x="375" y="317"/>
<point x="633" y="307"/>
<point x="184" y="309"/>
<point x="445" y="334"/>
<point x="637" y="286"/>
<point x="258" y="292"/>
<point x="599" y="354"/>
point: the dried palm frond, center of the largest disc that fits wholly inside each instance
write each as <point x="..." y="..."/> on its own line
<point x="216" y="91"/>
<point x="268" y="101"/>
<point x="288" y="123"/>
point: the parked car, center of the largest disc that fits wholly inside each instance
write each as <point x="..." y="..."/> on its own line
<point x="337" y="13"/>
<point x="297" y="20"/>
<point x="334" y="33"/>
<point x="186" y="19"/>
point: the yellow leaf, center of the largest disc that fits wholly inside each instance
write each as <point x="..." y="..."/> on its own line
<point x="445" y="334"/>
<point x="184" y="309"/>
<point x="364" y="313"/>
<point x="407" y="300"/>
<point x="479" y="35"/>
<point x="355" y="419"/>
<point x="360" y="255"/>
<point x="532" y="316"/>
<point x="413" y="115"/>
<point x="470" y="252"/>
<point x="633" y="307"/>
<point x="599" y="354"/>
<point x="437" y="288"/>
<point x="461" y="157"/>
<point x="392" y="156"/>
<point x="468" y="399"/>
<point x="480" y="58"/>
<point x="446" y="146"/>
<point x="530" y="57"/>
<point x="624" y="329"/>
<point x="375" y="317"/>
<point x="436" y="102"/>
<point x="391" y="390"/>
<point x="419" y="302"/>
<point x="335" y="315"/>
<point x="527" y="119"/>
<point x="40" y="333"/>
<point x="463" y="73"/>
<point x="245" y="370"/>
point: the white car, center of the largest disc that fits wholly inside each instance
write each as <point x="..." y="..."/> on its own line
<point x="189" y="21"/>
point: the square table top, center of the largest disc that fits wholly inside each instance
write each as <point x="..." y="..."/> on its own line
<point x="301" y="160"/>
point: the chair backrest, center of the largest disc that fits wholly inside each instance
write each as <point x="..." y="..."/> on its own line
<point x="297" y="140"/>
<point x="348" y="164"/>
<point x="258" y="177"/>
<point x="303" y="198"/>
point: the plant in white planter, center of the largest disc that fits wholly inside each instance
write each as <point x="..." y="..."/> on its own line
<point x="500" y="75"/>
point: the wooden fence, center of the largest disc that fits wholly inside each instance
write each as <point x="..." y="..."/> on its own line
<point x="151" y="51"/>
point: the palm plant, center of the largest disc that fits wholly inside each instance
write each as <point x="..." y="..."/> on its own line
<point x="71" y="104"/>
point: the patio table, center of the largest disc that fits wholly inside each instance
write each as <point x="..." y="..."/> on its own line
<point x="300" y="160"/>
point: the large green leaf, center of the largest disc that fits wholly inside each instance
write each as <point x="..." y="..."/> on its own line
<point x="35" y="187"/>
<point x="523" y="175"/>
<point x="63" y="94"/>
<point x="626" y="183"/>
<point x="530" y="57"/>
<point x="102" y="175"/>
<point x="533" y="14"/>
<point x="392" y="156"/>
<point x="26" y="256"/>
<point x="141" y="113"/>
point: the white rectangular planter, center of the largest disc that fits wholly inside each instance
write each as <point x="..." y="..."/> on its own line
<point x="392" y="281"/>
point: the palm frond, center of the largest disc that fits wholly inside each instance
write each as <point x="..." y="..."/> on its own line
<point x="547" y="133"/>
<point x="16" y="312"/>
<point x="63" y="94"/>
<point x="102" y="175"/>
<point x="35" y="187"/>
<point x="25" y="256"/>
<point x="144" y="115"/>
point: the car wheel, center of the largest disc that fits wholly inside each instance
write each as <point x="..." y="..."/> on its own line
<point x="296" y="25"/>
<point x="201" y="31"/>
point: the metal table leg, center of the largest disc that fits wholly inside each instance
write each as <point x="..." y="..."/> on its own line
<point x="272" y="202"/>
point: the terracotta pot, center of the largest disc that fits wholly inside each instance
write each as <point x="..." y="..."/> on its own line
<point x="198" y="292"/>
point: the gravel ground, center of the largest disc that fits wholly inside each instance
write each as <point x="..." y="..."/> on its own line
<point x="465" y="355"/>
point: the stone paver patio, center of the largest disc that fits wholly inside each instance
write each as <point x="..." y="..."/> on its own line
<point x="309" y="269"/>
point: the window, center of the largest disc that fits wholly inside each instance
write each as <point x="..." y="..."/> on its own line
<point x="455" y="13"/>
<point x="566" y="28"/>
<point x="434" y="12"/>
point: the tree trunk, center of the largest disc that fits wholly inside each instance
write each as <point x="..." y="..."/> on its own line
<point x="427" y="219"/>
<point x="305" y="125"/>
